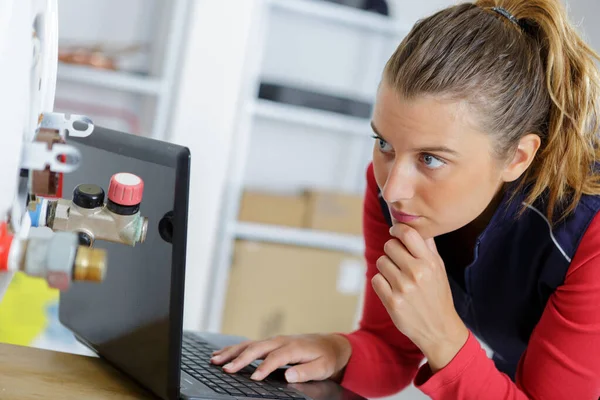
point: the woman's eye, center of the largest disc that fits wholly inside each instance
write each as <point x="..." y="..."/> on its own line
<point x="384" y="146"/>
<point x="432" y="162"/>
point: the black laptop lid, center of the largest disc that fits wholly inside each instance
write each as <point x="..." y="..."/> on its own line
<point x="134" y="318"/>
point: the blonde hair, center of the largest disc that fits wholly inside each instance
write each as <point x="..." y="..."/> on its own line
<point x="531" y="74"/>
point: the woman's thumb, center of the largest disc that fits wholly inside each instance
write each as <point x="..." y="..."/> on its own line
<point x="431" y="245"/>
<point x="311" y="371"/>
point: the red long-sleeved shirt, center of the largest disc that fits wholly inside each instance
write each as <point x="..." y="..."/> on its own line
<point x="562" y="360"/>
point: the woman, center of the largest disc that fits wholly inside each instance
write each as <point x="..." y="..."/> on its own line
<point x="479" y="218"/>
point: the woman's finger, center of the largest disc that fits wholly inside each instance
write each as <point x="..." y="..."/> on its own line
<point x="226" y="348"/>
<point x="398" y="254"/>
<point x="315" y="370"/>
<point x="412" y="241"/>
<point x="289" y="354"/>
<point x="228" y="353"/>
<point x="390" y="271"/>
<point x="217" y="352"/>
<point x="406" y="264"/>
<point x="383" y="289"/>
<point x="254" y="351"/>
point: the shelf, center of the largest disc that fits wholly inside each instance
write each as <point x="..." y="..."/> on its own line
<point x="343" y="15"/>
<point x="312" y="118"/>
<point x="122" y="81"/>
<point x="300" y="237"/>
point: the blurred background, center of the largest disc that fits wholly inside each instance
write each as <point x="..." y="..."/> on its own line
<point x="273" y="97"/>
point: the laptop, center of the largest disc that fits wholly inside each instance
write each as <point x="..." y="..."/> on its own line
<point x="134" y="319"/>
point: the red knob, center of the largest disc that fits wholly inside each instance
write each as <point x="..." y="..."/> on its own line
<point x="5" y="244"/>
<point x="126" y="189"/>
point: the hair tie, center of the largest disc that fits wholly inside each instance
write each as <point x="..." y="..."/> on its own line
<point x="507" y="15"/>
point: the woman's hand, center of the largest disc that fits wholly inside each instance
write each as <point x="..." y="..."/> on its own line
<point x="318" y="357"/>
<point x="413" y="286"/>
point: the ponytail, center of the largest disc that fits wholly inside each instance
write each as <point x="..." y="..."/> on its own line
<point x="565" y="165"/>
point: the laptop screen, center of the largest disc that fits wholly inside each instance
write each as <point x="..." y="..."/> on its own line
<point x="134" y="318"/>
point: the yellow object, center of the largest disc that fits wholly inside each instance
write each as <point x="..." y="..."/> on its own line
<point x="23" y="314"/>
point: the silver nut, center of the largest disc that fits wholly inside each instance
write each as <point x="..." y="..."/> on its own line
<point x="36" y="250"/>
<point x="62" y="211"/>
<point x="59" y="280"/>
<point x="144" y="231"/>
<point x="60" y="221"/>
<point x="60" y="259"/>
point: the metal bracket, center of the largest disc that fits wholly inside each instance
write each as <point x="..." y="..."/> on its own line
<point x="37" y="156"/>
<point x="65" y="124"/>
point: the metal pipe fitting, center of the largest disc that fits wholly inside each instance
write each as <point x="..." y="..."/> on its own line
<point x="90" y="265"/>
<point x="96" y="224"/>
<point x="87" y="215"/>
<point x="58" y="258"/>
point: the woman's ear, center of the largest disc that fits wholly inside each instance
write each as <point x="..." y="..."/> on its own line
<point x="522" y="157"/>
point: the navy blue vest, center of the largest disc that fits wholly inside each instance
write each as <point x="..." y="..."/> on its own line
<point x="518" y="263"/>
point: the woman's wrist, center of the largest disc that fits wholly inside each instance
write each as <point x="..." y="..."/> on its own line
<point x="343" y="351"/>
<point x="441" y="352"/>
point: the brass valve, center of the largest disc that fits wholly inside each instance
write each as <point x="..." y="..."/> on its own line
<point x="118" y="220"/>
<point x="56" y="257"/>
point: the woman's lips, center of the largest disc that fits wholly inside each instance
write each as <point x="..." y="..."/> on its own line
<point x="403" y="217"/>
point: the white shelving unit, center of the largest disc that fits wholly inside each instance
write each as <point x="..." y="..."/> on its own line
<point x="114" y="80"/>
<point x="156" y="91"/>
<point x="341" y="16"/>
<point x="310" y="118"/>
<point x="254" y="110"/>
<point x="299" y="237"/>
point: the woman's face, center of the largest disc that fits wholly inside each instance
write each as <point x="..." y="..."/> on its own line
<point x="436" y="171"/>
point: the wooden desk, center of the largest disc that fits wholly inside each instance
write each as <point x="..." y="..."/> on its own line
<point x="28" y="373"/>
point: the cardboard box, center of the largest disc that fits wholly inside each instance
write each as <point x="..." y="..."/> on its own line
<point x="275" y="209"/>
<point x="314" y="209"/>
<point x="334" y="212"/>
<point x="282" y="290"/>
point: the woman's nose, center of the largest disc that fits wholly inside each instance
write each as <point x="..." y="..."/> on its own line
<point x="400" y="185"/>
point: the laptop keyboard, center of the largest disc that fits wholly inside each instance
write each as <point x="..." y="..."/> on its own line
<point x="195" y="361"/>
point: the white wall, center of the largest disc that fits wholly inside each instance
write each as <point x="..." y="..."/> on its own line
<point x="410" y="11"/>
<point x="584" y="14"/>
<point x="206" y="117"/>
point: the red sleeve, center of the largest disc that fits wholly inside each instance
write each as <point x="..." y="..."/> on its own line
<point x="383" y="360"/>
<point x="562" y="360"/>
